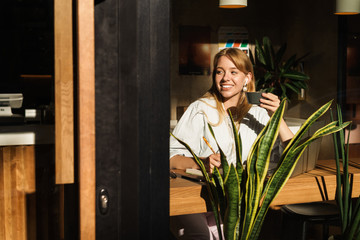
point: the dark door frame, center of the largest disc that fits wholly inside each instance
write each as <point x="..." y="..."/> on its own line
<point x="341" y="74"/>
<point x="132" y="106"/>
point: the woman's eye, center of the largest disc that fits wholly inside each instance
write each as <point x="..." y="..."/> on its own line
<point x="218" y="72"/>
<point x="234" y="72"/>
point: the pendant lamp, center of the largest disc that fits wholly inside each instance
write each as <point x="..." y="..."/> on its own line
<point x="232" y="3"/>
<point x="347" y="7"/>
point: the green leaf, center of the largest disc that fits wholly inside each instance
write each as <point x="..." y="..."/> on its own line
<point x="267" y="77"/>
<point x="257" y="165"/>
<point x="354" y="226"/>
<point x="231" y="221"/>
<point x="224" y="162"/>
<point x="259" y="52"/>
<point x="268" y="141"/>
<point x="293" y="88"/>
<point x="283" y="93"/>
<point x="220" y="188"/>
<point x="295" y="75"/>
<point x="298" y="84"/>
<point x="238" y="148"/>
<point x="338" y="197"/>
<point x="305" y="127"/>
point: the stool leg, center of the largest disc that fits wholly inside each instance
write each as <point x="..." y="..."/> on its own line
<point x="304" y="226"/>
<point x="325" y="231"/>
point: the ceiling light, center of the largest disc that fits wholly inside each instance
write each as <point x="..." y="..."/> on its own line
<point x="347" y="7"/>
<point x="232" y="3"/>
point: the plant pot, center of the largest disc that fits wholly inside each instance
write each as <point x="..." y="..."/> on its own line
<point x="253" y="97"/>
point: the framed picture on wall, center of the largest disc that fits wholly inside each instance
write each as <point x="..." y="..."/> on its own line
<point x="194" y="50"/>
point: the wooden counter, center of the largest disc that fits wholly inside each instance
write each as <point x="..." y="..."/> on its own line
<point x="307" y="187"/>
<point x="18" y="159"/>
<point x="17" y="179"/>
<point x="185" y="197"/>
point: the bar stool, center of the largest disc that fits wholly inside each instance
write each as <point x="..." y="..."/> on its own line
<point x="306" y="213"/>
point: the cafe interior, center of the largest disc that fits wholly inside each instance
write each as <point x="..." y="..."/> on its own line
<point x="90" y="90"/>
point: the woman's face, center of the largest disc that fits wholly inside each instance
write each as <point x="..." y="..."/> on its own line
<point x="229" y="81"/>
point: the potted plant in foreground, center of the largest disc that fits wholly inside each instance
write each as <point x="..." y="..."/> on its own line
<point x="241" y="196"/>
<point x="349" y="212"/>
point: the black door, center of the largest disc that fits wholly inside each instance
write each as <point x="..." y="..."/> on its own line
<point x="132" y="118"/>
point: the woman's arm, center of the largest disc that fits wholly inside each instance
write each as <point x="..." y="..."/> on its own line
<point x="182" y="162"/>
<point x="285" y="133"/>
<point x="271" y="102"/>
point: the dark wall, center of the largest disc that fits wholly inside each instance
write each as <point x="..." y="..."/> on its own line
<point x="132" y="117"/>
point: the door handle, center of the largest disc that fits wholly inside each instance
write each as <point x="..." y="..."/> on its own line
<point x="103" y="201"/>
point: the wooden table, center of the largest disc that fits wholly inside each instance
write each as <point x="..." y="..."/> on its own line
<point x="307" y="187"/>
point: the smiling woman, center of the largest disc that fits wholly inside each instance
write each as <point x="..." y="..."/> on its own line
<point x="232" y="77"/>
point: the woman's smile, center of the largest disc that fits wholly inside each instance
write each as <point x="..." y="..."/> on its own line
<point x="226" y="86"/>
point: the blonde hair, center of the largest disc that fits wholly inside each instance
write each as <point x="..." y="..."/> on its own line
<point x="243" y="63"/>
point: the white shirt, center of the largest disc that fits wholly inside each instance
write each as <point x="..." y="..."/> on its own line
<point x="193" y="125"/>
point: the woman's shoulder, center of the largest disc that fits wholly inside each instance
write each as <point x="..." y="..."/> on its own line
<point x="205" y="107"/>
<point x="203" y="104"/>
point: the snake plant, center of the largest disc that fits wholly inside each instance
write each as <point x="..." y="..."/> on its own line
<point x="240" y="196"/>
<point x="349" y="213"/>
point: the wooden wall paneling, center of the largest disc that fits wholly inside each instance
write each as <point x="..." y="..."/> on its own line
<point x="86" y="117"/>
<point x="64" y="119"/>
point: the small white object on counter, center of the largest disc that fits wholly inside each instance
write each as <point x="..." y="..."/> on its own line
<point x="27" y="135"/>
<point x="193" y="171"/>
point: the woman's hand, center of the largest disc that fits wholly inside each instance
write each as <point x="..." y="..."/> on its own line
<point x="270" y="102"/>
<point x="211" y="161"/>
